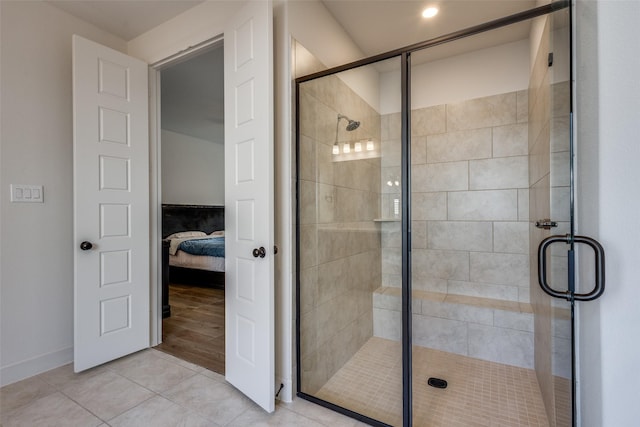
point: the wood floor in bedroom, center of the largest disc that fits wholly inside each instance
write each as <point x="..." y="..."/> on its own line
<point x="195" y="330"/>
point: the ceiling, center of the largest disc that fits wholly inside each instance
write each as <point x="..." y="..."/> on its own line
<point x="192" y="96"/>
<point x="381" y="26"/>
<point x="192" y="92"/>
<point x="125" y="19"/>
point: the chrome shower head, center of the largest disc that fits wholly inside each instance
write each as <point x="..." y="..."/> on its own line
<point x="352" y="125"/>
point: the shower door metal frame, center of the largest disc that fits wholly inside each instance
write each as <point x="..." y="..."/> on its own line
<point x="405" y="117"/>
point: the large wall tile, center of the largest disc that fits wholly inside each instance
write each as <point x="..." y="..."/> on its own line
<point x="307" y="163"/>
<point x="511" y="237"/>
<point x="462" y="312"/>
<point x="332" y="280"/>
<point x="560" y="138"/>
<point x="496" y="110"/>
<point x="501" y="269"/>
<point x="511" y="140"/>
<point x="522" y="106"/>
<point x="560" y="169"/>
<point x="419" y="235"/>
<point x="523" y="205"/>
<point x="560" y="201"/>
<point x="491" y="174"/>
<point x="513" y="320"/>
<point x="460" y="235"/>
<point x="391" y="152"/>
<point x="428" y="121"/>
<point x="387" y="324"/>
<point x="440" y="264"/>
<point x="440" y="334"/>
<point x="440" y="177"/>
<point x="391" y="234"/>
<point x="498" y="205"/>
<point x="429" y="206"/>
<point x="307" y="196"/>
<point x="419" y="150"/>
<point x="308" y="289"/>
<point x="501" y="345"/>
<point x="462" y="145"/>
<point x="423" y="282"/>
<point x="326" y="203"/>
<point x="483" y="290"/>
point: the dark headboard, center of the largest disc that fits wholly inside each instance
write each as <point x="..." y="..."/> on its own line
<point x="177" y="218"/>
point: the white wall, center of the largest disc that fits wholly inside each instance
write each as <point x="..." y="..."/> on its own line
<point x="36" y="256"/>
<point x="608" y="120"/>
<point x="484" y="72"/>
<point x="192" y="170"/>
<point x="189" y="29"/>
<point x="311" y="24"/>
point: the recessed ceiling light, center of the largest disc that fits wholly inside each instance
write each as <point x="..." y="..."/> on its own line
<point x="430" y="12"/>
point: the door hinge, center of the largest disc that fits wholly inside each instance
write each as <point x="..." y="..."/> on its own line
<point x="546" y="223"/>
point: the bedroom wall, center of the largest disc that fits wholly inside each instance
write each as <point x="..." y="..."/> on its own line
<point x="36" y="255"/>
<point x="192" y="170"/>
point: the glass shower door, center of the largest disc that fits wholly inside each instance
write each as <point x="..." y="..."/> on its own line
<point x="349" y="240"/>
<point x="490" y="159"/>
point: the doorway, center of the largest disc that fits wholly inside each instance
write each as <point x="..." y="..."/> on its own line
<point x="423" y="194"/>
<point x="192" y="189"/>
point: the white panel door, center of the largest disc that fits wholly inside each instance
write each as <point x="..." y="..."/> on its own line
<point x="248" y="75"/>
<point x="111" y="204"/>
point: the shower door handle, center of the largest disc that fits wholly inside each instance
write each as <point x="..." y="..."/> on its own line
<point x="569" y="294"/>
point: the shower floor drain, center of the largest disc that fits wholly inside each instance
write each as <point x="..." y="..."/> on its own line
<point x="437" y="382"/>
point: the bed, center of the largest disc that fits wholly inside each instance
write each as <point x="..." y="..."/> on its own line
<point x="191" y="254"/>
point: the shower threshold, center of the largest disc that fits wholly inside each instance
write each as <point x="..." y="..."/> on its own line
<point x="479" y="393"/>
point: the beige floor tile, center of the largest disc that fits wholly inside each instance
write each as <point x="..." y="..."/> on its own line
<point x="151" y="371"/>
<point x="64" y="375"/>
<point x="22" y="393"/>
<point x="212" y="399"/>
<point x="318" y="413"/>
<point x="106" y="394"/>
<point x="159" y="412"/>
<point x="52" y="410"/>
<point x="256" y="417"/>
<point x="479" y="393"/>
<point x="174" y="359"/>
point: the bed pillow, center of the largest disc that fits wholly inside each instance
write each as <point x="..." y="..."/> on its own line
<point x="186" y="234"/>
<point x="218" y="233"/>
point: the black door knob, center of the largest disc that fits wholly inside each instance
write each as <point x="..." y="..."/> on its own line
<point x="85" y="246"/>
<point x="259" y="252"/>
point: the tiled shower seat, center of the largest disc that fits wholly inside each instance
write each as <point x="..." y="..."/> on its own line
<point x="488" y="329"/>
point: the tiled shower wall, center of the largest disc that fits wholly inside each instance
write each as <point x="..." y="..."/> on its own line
<point x="470" y="198"/>
<point x="339" y="241"/>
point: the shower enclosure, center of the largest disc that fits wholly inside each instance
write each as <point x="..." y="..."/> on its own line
<point x="426" y="180"/>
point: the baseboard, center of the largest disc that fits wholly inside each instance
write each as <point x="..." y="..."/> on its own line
<point x="286" y="394"/>
<point x="37" y="365"/>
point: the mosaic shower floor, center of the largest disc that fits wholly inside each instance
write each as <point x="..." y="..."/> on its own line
<point x="479" y="393"/>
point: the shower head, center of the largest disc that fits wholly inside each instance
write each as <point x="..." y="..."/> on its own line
<point x="352" y="125"/>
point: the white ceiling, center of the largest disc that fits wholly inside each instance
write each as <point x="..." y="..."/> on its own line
<point x="125" y="19"/>
<point x="381" y="26"/>
<point x="192" y="96"/>
<point x="192" y="91"/>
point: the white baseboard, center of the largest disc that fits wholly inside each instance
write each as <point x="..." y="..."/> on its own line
<point x="286" y="394"/>
<point x="34" y="366"/>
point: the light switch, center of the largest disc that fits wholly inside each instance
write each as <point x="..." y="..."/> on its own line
<point x="27" y="193"/>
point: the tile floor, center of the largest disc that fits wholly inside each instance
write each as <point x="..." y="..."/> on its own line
<point x="479" y="393"/>
<point x="148" y="388"/>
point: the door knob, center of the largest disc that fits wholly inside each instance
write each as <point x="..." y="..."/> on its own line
<point x="85" y="246"/>
<point x="260" y="252"/>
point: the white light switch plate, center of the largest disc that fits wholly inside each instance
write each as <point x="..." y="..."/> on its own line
<point x="27" y="193"/>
